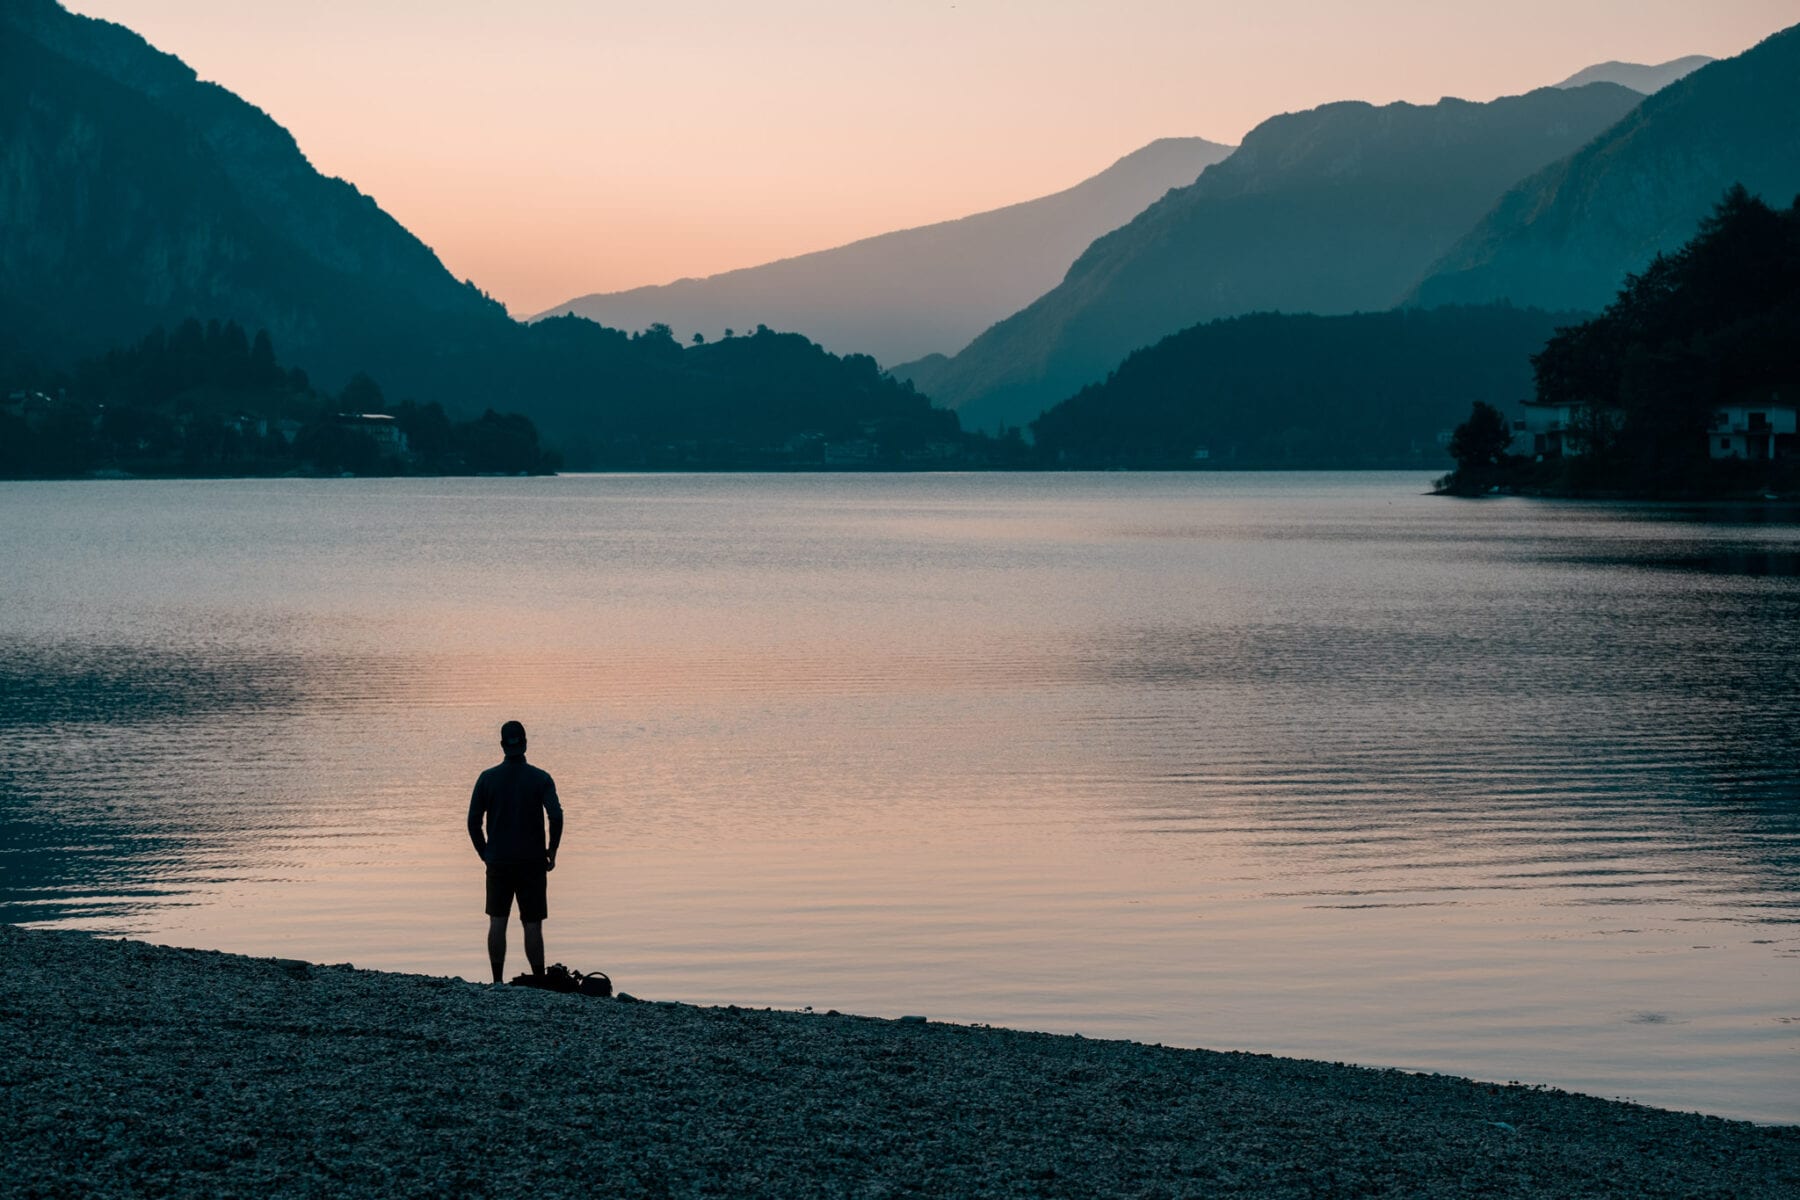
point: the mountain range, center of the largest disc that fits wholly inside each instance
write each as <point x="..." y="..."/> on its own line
<point x="1639" y="77"/>
<point x="1567" y="236"/>
<point x="134" y="196"/>
<point x="1333" y="210"/>
<point x="904" y="294"/>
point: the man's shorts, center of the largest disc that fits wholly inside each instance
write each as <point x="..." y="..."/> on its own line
<point x="529" y="884"/>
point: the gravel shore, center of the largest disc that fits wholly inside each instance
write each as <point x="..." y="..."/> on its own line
<point x="137" y="1070"/>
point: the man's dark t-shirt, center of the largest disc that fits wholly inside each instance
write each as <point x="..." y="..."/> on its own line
<point x="514" y="797"/>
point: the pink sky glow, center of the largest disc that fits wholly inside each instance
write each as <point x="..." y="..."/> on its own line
<point x="550" y="148"/>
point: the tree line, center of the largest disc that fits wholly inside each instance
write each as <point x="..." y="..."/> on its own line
<point x="209" y="399"/>
<point x="765" y="399"/>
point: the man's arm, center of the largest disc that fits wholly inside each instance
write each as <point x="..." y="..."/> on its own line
<point x="553" y="806"/>
<point x="477" y="807"/>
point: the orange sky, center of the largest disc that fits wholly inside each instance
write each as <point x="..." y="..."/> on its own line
<point x="549" y="148"/>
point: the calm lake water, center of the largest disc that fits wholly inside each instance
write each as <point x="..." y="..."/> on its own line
<point x="1305" y="764"/>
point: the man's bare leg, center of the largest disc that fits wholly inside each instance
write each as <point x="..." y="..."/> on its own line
<point x="497" y="946"/>
<point x="534" y="945"/>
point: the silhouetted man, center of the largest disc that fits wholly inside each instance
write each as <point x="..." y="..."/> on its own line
<point x="514" y="797"/>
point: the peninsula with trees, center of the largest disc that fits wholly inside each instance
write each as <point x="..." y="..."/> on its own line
<point x="1688" y="384"/>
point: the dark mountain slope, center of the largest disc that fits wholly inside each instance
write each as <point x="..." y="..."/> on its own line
<point x="914" y="291"/>
<point x="1333" y="210"/>
<point x="327" y="219"/>
<point x="131" y="193"/>
<point x="1568" y="236"/>
<point x="1367" y="389"/>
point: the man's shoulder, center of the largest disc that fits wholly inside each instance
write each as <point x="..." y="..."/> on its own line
<point x="512" y="775"/>
<point x="502" y="777"/>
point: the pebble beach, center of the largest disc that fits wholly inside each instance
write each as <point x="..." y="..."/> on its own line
<point x="139" y="1070"/>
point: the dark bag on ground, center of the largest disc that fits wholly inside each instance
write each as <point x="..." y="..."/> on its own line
<point x="558" y="978"/>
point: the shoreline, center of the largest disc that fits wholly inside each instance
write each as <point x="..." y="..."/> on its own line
<point x="121" y="476"/>
<point x="1753" y="496"/>
<point x="138" y="1069"/>
<point x="1758" y="496"/>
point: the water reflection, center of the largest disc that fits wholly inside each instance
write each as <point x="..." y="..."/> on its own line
<point x="1783" y="514"/>
<point x="139" y="778"/>
<point x="85" y="869"/>
<point x="1308" y="764"/>
<point x="1755" y="563"/>
<point x="73" y="682"/>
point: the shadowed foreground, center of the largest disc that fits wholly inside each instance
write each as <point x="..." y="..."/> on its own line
<point x="139" y="1070"/>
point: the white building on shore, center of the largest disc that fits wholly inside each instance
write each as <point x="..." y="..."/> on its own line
<point x="1754" y="428"/>
<point x="382" y="428"/>
<point x="1556" y="430"/>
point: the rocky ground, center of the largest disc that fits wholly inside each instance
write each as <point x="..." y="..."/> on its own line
<point x="135" y="1070"/>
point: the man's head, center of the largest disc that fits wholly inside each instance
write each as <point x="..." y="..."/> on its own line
<point x="512" y="737"/>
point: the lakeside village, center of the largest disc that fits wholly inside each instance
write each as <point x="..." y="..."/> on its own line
<point x="1754" y="428"/>
<point x="1759" y="427"/>
<point x="55" y="436"/>
<point x="58" y="436"/>
<point x="1687" y="385"/>
<point x="1748" y="446"/>
<point x="209" y="400"/>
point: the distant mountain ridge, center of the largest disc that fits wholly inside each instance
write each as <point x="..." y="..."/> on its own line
<point x="1639" y="77"/>
<point x="904" y="294"/>
<point x="1567" y="236"/>
<point x="1334" y="210"/>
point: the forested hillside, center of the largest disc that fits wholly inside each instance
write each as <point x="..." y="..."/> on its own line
<point x="1362" y="390"/>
